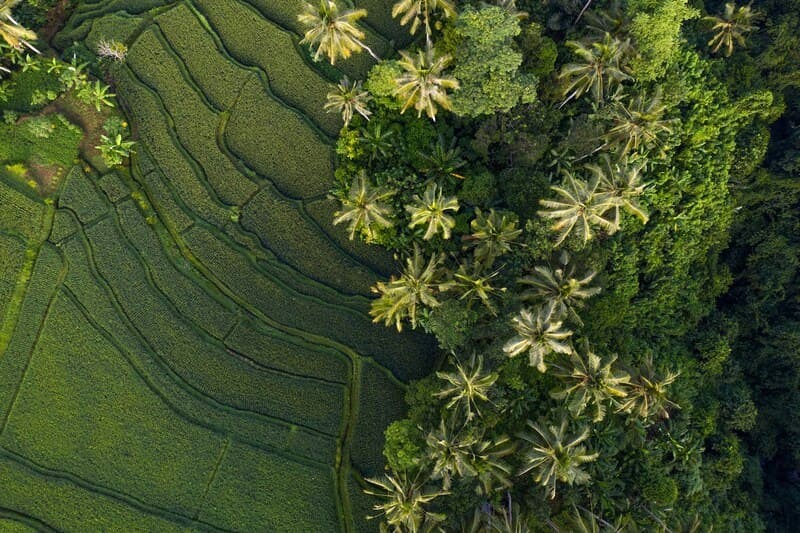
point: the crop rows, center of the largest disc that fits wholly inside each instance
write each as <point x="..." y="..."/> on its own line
<point x="195" y="334"/>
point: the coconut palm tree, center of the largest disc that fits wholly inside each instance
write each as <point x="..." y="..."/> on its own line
<point x="591" y="384"/>
<point x="467" y="386"/>
<point x="556" y="457"/>
<point x="423" y="83"/>
<point x="420" y="11"/>
<point x="376" y="140"/>
<point x="403" y="502"/>
<point x="471" y="283"/>
<point x="431" y="210"/>
<point x="492" y="235"/>
<point x="12" y="31"/>
<point x="450" y="454"/>
<point x="333" y="32"/>
<point x="493" y="471"/>
<point x="601" y="68"/>
<point x="621" y="184"/>
<point x="579" y="209"/>
<point x="348" y="98"/>
<point x="539" y="334"/>
<point x="637" y="125"/>
<point x="647" y="393"/>
<point x="731" y="27"/>
<point x="401" y="298"/>
<point x="561" y="287"/>
<point x="363" y="208"/>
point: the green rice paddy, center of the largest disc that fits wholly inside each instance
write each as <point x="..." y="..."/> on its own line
<point x="186" y="346"/>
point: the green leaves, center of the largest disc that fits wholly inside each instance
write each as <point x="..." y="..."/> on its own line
<point x="431" y="210"/>
<point x="556" y="456"/>
<point x="332" y="32"/>
<point x="363" y="209"/>
<point x="423" y="84"/>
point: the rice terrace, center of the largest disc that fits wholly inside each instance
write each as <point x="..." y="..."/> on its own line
<point x="179" y="359"/>
<point x="408" y="266"/>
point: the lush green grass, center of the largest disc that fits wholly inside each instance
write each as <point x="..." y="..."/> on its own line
<point x="61" y="502"/>
<point x="259" y="492"/>
<point x="290" y="79"/>
<point x="111" y="428"/>
<point x="380" y="402"/>
<point x="194" y="123"/>
<point x="80" y="196"/>
<point x="216" y="76"/>
<point x="113" y="187"/>
<point x="273" y="349"/>
<point x="279" y="144"/>
<point x="12" y="260"/>
<point x="305" y="247"/>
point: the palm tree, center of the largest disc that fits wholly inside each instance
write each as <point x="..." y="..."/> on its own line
<point x="555" y="457"/>
<point x="378" y="142"/>
<point x="12" y="31"/>
<point x="432" y="210"/>
<point x="401" y="298"/>
<point x="731" y="27"/>
<point x="488" y="461"/>
<point x="472" y="283"/>
<point x="347" y="98"/>
<point x="444" y="160"/>
<point x="637" y="125"/>
<point x="647" y="395"/>
<point x="331" y="31"/>
<point x="579" y="209"/>
<point x="600" y="70"/>
<point x="467" y="386"/>
<point x="423" y="84"/>
<point x="419" y="11"/>
<point x="620" y="184"/>
<point x="540" y="335"/>
<point x="590" y="384"/>
<point x="404" y="501"/>
<point x="492" y="235"/>
<point x="363" y="208"/>
<point x="562" y="288"/>
<point x="451" y="455"/>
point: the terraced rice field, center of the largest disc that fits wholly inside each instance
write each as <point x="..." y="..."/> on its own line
<point x="188" y="346"/>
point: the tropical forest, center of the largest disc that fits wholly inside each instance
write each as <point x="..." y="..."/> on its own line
<point x="400" y="266"/>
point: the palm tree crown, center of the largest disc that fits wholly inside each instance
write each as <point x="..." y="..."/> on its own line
<point x="400" y="298"/>
<point x="431" y="209"/>
<point x="348" y="98"/>
<point x="419" y="11"/>
<point x="403" y="502"/>
<point x="731" y="27"/>
<point x="579" y="209"/>
<point x="540" y="334"/>
<point x="647" y="396"/>
<point x="621" y="185"/>
<point x="423" y="84"/>
<point x="331" y="31"/>
<point x="11" y="31"/>
<point x="467" y="386"/>
<point x="363" y="208"/>
<point x="600" y="69"/>
<point x="638" y="125"/>
<point x="492" y="235"/>
<point x="555" y="457"/>
<point x="590" y="384"/>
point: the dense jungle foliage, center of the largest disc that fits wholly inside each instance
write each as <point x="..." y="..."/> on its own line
<point x="596" y="206"/>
